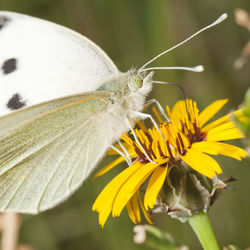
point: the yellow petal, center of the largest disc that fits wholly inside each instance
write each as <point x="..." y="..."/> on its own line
<point x="133" y="209"/>
<point x="231" y="151"/>
<point x="109" y="167"/>
<point x="215" y="148"/>
<point x="201" y="162"/>
<point x="210" y="111"/>
<point x="146" y="214"/>
<point x="131" y="185"/>
<point x="155" y="184"/>
<point x="216" y="123"/>
<point x="221" y="120"/>
<point x="208" y="147"/>
<point x="105" y="200"/>
<point x="229" y="134"/>
<point x="222" y="127"/>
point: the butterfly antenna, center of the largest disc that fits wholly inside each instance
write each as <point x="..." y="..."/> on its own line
<point x="219" y="20"/>
<point x="177" y="85"/>
<point x="198" y="68"/>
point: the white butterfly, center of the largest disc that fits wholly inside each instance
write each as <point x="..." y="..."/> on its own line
<point x="50" y="147"/>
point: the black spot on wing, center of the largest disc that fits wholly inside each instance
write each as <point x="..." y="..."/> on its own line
<point x="15" y="102"/>
<point x="3" y="21"/>
<point x="9" y="65"/>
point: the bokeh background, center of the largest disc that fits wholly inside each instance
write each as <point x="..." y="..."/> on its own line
<point x="132" y="32"/>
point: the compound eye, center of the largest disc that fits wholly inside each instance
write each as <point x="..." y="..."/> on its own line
<point x="136" y="82"/>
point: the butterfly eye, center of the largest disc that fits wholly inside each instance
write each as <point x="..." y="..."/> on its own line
<point x="135" y="82"/>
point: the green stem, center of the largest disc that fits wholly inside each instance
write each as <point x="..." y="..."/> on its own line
<point x="204" y="231"/>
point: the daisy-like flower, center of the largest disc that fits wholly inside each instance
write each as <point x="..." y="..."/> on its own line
<point x="175" y="162"/>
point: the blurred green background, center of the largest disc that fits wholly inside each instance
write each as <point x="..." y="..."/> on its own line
<point x="132" y="32"/>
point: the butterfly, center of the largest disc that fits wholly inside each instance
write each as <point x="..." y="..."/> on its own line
<point x="63" y="103"/>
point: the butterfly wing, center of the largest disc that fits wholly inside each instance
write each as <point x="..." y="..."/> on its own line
<point x="40" y="61"/>
<point x="44" y="159"/>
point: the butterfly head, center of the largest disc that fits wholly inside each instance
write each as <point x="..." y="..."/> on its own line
<point x="140" y="83"/>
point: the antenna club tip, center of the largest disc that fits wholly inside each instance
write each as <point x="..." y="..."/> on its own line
<point x="219" y="20"/>
<point x="223" y="17"/>
<point x="199" y="68"/>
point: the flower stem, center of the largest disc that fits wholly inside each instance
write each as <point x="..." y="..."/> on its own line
<point x="204" y="231"/>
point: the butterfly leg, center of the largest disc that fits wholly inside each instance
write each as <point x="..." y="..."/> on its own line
<point x="124" y="155"/>
<point x="137" y="141"/>
<point x="144" y="116"/>
<point x="149" y="102"/>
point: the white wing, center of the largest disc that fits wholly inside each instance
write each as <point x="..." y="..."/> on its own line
<point x="43" y="160"/>
<point x="40" y="61"/>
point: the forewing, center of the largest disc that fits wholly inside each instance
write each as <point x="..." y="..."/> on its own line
<point x="40" y="61"/>
<point x="43" y="160"/>
<point x="15" y="119"/>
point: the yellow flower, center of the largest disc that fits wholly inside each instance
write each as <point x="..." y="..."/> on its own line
<point x="184" y="139"/>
